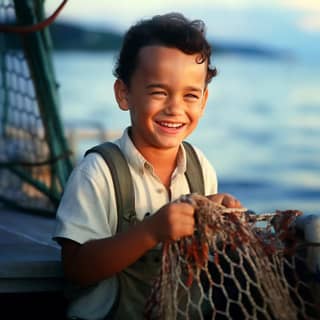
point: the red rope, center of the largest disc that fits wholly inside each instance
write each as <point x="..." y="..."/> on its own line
<point x="35" y="27"/>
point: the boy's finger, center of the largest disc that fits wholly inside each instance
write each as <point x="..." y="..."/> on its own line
<point x="231" y="202"/>
<point x="184" y="207"/>
<point x="217" y="198"/>
<point x="226" y="200"/>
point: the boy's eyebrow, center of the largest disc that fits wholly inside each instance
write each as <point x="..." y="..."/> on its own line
<point x="191" y="88"/>
<point x="156" y="85"/>
<point x="160" y="85"/>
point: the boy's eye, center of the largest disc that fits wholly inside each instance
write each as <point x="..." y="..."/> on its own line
<point x="192" y="96"/>
<point x="157" y="92"/>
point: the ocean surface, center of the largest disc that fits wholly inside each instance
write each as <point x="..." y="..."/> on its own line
<point x="261" y="128"/>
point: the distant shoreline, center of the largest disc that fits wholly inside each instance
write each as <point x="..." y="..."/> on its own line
<point x="74" y="37"/>
<point x="66" y="36"/>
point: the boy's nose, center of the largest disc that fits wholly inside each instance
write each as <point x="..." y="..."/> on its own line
<point x="173" y="106"/>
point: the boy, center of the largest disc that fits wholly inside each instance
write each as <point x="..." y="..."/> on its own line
<point x="162" y="75"/>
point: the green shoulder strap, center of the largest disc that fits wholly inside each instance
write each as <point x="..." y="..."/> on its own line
<point x="122" y="179"/>
<point x="193" y="173"/>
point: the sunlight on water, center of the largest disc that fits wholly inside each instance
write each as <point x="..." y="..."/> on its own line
<point x="261" y="128"/>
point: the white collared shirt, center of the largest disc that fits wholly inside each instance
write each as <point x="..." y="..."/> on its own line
<point x="88" y="210"/>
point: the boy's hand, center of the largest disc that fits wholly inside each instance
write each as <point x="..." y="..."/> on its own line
<point x="226" y="200"/>
<point x="173" y="221"/>
<point x="176" y="219"/>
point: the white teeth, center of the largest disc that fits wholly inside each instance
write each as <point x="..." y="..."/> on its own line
<point x="171" y="125"/>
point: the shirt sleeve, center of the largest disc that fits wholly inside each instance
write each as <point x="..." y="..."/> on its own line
<point x="87" y="209"/>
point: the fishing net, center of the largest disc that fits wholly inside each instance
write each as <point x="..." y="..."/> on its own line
<point x="236" y="266"/>
<point x="34" y="162"/>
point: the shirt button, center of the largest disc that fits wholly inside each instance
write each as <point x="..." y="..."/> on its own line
<point x="160" y="190"/>
<point x="147" y="165"/>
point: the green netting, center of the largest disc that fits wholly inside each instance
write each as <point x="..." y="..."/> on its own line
<point x="34" y="157"/>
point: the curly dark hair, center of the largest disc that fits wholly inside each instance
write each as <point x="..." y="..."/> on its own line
<point x="172" y="30"/>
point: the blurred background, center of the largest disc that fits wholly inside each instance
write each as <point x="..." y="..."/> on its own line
<point x="261" y="129"/>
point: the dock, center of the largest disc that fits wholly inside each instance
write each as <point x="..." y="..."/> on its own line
<point x="31" y="276"/>
<point x="29" y="260"/>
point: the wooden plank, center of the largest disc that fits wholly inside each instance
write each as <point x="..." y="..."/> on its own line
<point x="30" y="259"/>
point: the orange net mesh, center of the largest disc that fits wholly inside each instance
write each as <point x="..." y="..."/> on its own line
<point x="236" y="266"/>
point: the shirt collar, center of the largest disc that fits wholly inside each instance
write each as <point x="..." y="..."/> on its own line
<point x="138" y="162"/>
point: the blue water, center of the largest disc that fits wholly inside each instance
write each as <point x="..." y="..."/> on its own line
<point x="261" y="128"/>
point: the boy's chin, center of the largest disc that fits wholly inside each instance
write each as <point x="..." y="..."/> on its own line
<point x="170" y="144"/>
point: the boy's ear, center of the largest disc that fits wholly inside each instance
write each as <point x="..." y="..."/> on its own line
<point x="121" y="94"/>
<point x="204" y="99"/>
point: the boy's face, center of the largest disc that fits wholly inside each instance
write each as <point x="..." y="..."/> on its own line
<point x="166" y="98"/>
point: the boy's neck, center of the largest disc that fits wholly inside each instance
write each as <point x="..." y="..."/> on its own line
<point x="158" y="157"/>
<point x="163" y="161"/>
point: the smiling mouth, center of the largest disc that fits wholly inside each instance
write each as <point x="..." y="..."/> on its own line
<point x="171" y="125"/>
